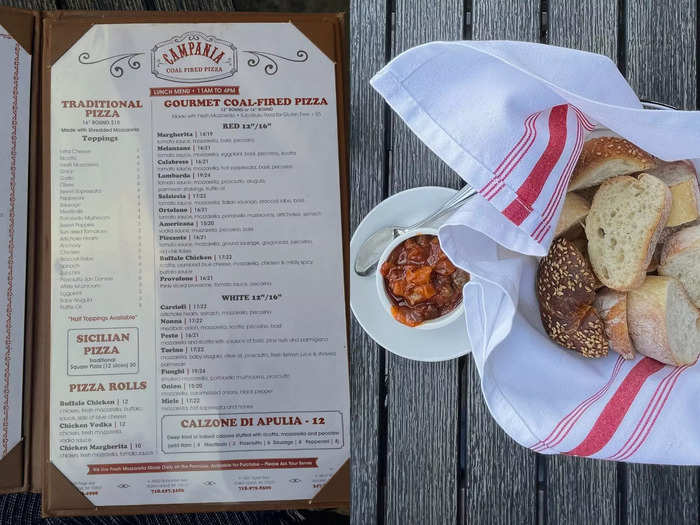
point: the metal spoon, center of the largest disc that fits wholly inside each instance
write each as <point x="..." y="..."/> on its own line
<point x="370" y="251"/>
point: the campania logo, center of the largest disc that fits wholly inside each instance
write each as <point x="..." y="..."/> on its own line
<point x="194" y="57"/>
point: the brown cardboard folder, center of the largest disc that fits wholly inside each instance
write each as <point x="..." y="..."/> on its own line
<point x="47" y="35"/>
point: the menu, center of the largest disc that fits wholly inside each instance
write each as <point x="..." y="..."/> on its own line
<point x="15" y="84"/>
<point x="198" y="315"/>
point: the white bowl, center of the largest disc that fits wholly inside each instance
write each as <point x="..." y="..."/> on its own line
<point x="384" y="298"/>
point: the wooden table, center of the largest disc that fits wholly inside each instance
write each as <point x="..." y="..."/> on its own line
<point x="425" y="449"/>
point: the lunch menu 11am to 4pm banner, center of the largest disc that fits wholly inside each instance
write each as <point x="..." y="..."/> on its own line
<point x="194" y="202"/>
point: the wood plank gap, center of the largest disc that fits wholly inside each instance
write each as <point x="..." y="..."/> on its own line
<point x="621" y="514"/>
<point x="462" y="368"/>
<point x="383" y="394"/>
<point x="462" y="433"/>
<point x="388" y="120"/>
<point x="544" y="21"/>
<point x="541" y="488"/>
<point x="622" y="36"/>
<point x="467" y="21"/>
<point x="382" y="434"/>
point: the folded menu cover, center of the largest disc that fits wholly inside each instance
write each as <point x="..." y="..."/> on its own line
<point x="186" y="340"/>
<point x="18" y="165"/>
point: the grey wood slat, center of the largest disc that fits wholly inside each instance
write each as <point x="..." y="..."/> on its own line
<point x="194" y="5"/>
<point x="661" y="65"/>
<point x="657" y="494"/>
<point x="506" y="20"/>
<point x="99" y="5"/>
<point x="589" y="25"/>
<point x="580" y="490"/>
<point x="661" y="60"/>
<point x="421" y="485"/>
<point x="30" y="4"/>
<point x="500" y="475"/>
<point x="299" y="5"/>
<point x="368" y="42"/>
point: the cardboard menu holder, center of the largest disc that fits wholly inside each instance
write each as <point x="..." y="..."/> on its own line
<point x="47" y="36"/>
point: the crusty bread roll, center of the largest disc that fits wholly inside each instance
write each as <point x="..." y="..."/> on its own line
<point x="572" y="215"/>
<point x="623" y="227"/>
<point x="565" y="291"/>
<point x="680" y="258"/>
<point x="605" y="157"/>
<point x="611" y="306"/>
<point x="682" y="180"/>
<point x="663" y="323"/>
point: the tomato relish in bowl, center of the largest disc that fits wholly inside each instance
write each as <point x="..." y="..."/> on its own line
<point x="420" y="281"/>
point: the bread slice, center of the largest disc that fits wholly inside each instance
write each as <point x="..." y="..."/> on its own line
<point x="611" y="306"/>
<point x="682" y="180"/>
<point x="565" y="287"/>
<point x="605" y="157"/>
<point x="572" y="215"/>
<point x="680" y="258"/>
<point x="626" y="219"/>
<point x="663" y="323"/>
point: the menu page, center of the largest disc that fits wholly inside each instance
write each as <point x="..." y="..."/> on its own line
<point x="15" y="87"/>
<point x="198" y="330"/>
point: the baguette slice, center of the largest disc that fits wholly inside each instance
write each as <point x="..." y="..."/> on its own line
<point x="605" y="157"/>
<point x="626" y="219"/>
<point x="572" y="215"/>
<point x="682" y="180"/>
<point x="680" y="258"/>
<point x="663" y="323"/>
<point x="611" y="306"/>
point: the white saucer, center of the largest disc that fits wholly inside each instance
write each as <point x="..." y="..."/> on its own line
<point x="440" y="344"/>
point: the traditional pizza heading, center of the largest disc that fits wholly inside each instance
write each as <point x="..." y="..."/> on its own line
<point x="112" y="108"/>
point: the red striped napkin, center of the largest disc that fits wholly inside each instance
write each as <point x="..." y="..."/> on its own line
<point x="511" y="118"/>
<point x="528" y="185"/>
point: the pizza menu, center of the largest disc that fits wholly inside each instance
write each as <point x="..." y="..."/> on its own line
<point x="14" y="162"/>
<point x="198" y="331"/>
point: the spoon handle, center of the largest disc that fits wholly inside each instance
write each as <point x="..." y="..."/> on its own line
<point x="454" y="202"/>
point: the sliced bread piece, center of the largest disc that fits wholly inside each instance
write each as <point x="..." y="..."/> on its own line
<point x="682" y="180"/>
<point x="680" y="258"/>
<point x="605" y="157"/>
<point x="572" y="215"/>
<point x="626" y="219"/>
<point x="611" y="306"/>
<point x="565" y="287"/>
<point x="663" y="323"/>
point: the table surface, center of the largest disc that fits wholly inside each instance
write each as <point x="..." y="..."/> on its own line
<point x="424" y="447"/>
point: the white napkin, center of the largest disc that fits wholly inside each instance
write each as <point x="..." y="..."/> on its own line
<point x="510" y="118"/>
